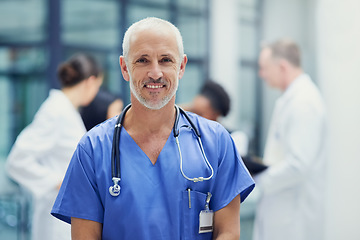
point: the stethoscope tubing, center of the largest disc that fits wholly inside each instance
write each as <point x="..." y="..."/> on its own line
<point x="115" y="151"/>
<point x="115" y="154"/>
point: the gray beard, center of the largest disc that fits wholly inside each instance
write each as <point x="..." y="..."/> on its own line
<point x="150" y="105"/>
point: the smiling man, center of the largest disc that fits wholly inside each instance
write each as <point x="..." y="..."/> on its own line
<point x="171" y="185"/>
<point x="162" y="79"/>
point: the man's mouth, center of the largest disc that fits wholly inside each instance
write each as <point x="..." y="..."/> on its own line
<point x="152" y="86"/>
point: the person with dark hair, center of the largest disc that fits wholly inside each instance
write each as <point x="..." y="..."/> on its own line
<point x="104" y="106"/>
<point x="41" y="153"/>
<point x="211" y="102"/>
<point x="292" y="188"/>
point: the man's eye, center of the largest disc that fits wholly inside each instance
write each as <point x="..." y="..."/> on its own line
<point x="166" y="60"/>
<point x="141" y="60"/>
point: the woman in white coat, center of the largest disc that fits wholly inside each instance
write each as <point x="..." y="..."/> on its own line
<point x="39" y="158"/>
<point x="292" y="188"/>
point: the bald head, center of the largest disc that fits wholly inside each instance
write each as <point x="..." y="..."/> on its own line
<point x="285" y="49"/>
<point x="280" y="63"/>
<point x="151" y="24"/>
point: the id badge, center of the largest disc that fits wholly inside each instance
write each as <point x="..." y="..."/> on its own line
<point x="206" y="221"/>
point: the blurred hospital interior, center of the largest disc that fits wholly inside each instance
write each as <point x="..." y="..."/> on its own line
<point x="222" y="39"/>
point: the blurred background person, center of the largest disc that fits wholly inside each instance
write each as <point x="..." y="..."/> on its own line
<point x="41" y="153"/>
<point x="104" y="106"/>
<point x="292" y="188"/>
<point x="212" y="102"/>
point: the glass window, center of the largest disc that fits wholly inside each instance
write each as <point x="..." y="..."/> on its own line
<point x="190" y="84"/>
<point x="22" y="74"/>
<point x="22" y="59"/>
<point x="22" y="24"/>
<point x="248" y="10"/>
<point x="249" y="44"/>
<point x="249" y="3"/>
<point x="247" y="98"/>
<point x="149" y="2"/>
<point x="194" y="33"/>
<point x="25" y="101"/>
<point x="248" y="51"/>
<point x="115" y="82"/>
<point x="198" y="4"/>
<point x="5" y="63"/>
<point x="90" y="23"/>
<point x="138" y="12"/>
<point x="5" y="113"/>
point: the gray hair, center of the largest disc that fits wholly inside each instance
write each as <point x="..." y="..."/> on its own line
<point x="285" y="49"/>
<point x="150" y="23"/>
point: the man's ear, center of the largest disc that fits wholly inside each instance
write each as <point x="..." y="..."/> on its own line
<point x="124" y="69"/>
<point x="182" y="66"/>
<point x="284" y="65"/>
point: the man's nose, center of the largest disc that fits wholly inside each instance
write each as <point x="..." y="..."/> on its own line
<point x="155" y="71"/>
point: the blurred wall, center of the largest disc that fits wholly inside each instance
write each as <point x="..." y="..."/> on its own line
<point x="224" y="67"/>
<point x="339" y="74"/>
<point x="234" y="48"/>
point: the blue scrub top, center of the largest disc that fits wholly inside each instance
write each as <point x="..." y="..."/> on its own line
<point x="154" y="199"/>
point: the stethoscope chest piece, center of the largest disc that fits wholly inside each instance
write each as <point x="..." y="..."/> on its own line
<point x="115" y="190"/>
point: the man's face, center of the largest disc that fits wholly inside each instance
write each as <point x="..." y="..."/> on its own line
<point x="154" y="67"/>
<point x="269" y="68"/>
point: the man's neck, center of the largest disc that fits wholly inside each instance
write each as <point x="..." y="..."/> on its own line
<point x="292" y="75"/>
<point x="150" y="129"/>
<point x="149" y="121"/>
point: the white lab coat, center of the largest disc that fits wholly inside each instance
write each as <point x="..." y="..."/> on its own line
<point x="291" y="205"/>
<point x="39" y="159"/>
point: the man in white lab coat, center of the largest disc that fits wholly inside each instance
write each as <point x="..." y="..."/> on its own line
<point x="291" y="206"/>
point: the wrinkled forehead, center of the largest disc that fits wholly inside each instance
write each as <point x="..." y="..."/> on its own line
<point x="154" y="40"/>
<point x="161" y="31"/>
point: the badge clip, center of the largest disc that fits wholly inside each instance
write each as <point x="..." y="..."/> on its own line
<point x="206" y="217"/>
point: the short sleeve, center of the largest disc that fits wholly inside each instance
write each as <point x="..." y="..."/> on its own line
<point x="232" y="177"/>
<point x="79" y="191"/>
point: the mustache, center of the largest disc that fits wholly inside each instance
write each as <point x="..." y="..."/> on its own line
<point x="159" y="80"/>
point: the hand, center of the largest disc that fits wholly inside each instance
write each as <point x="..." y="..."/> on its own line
<point x="59" y="186"/>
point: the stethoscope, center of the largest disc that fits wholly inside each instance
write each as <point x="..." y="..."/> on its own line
<point x="115" y="154"/>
